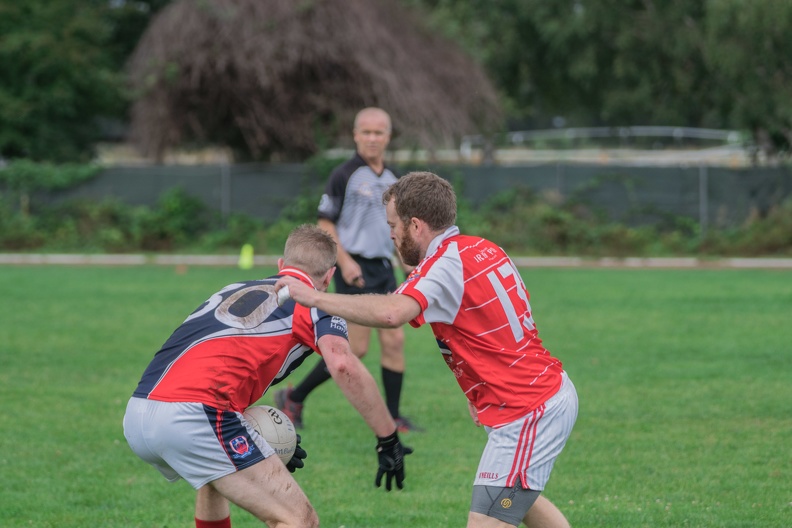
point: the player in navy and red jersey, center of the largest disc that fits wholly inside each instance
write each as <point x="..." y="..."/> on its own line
<point x="470" y="292"/>
<point x="351" y="210"/>
<point x="185" y="416"/>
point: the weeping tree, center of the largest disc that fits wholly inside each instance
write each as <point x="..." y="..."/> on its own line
<point x="273" y="77"/>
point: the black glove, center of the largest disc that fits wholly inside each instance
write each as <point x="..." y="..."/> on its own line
<point x="296" y="461"/>
<point x="390" y="453"/>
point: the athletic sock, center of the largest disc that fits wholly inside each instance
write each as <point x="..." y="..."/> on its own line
<point x="222" y="523"/>
<point x="316" y="377"/>
<point x="392" y="382"/>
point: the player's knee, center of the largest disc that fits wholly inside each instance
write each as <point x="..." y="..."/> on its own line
<point x="310" y="519"/>
<point x="392" y="342"/>
<point x="360" y="351"/>
<point x="305" y="518"/>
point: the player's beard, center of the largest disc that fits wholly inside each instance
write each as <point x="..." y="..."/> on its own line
<point x="409" y="249"/>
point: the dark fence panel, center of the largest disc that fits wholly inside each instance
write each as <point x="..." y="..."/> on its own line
<point x="711" y="196"/>
<point x="258" y="190"/>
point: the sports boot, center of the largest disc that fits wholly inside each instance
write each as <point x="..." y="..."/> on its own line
<point x="290" y="408"/>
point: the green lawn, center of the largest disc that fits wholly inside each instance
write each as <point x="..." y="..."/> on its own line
<point x="684" y="379"/>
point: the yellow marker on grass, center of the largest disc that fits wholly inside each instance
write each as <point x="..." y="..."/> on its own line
<point x="246" y="257"/>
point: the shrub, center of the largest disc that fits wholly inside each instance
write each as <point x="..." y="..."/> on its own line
<point x="177" y="220"/>
<point x="23" y="178"/>
<point x="520" y="221"/>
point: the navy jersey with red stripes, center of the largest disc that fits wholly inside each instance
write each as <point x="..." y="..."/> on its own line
<point x="236" y="345"/>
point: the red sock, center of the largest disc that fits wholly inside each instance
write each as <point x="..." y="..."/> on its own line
<point x="222" y="523"/>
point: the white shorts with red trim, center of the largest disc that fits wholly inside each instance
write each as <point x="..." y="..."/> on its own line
<point x="525" y="450"/>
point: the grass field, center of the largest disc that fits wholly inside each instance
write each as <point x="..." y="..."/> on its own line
<point x="684" y="379"/>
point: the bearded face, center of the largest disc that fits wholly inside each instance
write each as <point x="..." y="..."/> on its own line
<point x="409" y="249"/>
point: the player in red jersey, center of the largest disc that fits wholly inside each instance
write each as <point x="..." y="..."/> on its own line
<point x="185" y="417"/>
<point x="470" y="292"/>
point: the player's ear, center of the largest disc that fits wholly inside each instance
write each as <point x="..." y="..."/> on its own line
<point x="417" y="226"/>
<point x="328" y="277"/>
<point x="280" y="264"/>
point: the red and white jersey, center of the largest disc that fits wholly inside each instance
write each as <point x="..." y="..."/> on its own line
<point x="472" y="295"/>
<point x="236" y="345"/>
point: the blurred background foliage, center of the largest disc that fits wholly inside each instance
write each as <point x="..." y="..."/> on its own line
<point x="65" y="86"/>
<point x="520" y="220"/>
<point x="705" y="63"/>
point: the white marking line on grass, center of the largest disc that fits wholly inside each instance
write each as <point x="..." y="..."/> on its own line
<point x="654" y="262"/>
<point x="272" y="260"/>
<point x="72" y="259"/>
<point x="760" y="263"/>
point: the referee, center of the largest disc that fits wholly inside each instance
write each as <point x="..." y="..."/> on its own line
<point x="351" y="210"/>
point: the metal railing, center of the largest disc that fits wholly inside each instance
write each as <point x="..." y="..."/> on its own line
<point x="678" y="134"/>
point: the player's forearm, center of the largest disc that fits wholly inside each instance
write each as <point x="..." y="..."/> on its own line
<point x="327" y="225"/>
<point x="373" y="310"/>
<point x="381" y="311"/>
<point x="349" y="268"/>
<point x="359" y="387"/>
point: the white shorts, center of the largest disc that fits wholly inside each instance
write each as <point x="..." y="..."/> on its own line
<point x="525" y="450"/>
<point x="192" y="441"/>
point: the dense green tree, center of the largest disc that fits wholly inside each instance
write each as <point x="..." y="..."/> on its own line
<point x="609" y="61"/>
<point x="55" y="78"/>
<point x="61" y="77"/>
<point x="128" y="20"/>
<point x="749" y="48"/>
<point x="708" y="63"/>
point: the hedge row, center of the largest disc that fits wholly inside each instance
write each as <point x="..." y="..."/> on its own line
<point x="521" y="222"/>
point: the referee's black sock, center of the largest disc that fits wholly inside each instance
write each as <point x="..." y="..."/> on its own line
<point x="316" y="377"/>
<point x="392" y="382"/>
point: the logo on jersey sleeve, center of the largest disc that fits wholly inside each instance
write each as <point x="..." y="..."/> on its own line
<point x="338" y="324"/>
<point x="412" y="277"/>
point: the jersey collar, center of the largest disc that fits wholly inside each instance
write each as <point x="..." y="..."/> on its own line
<point x="439" y="239"/>
<point x="364" y="163"/>
<point x="298" y="274"/>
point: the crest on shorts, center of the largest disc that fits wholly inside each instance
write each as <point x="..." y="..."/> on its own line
<point x="506" y="503"/>
<point x="240" y="447"/>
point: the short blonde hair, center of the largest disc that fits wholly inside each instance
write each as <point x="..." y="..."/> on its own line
<point x="310" y="249"/>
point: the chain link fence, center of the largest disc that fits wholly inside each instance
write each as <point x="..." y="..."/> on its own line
<point x="714" y="197"/>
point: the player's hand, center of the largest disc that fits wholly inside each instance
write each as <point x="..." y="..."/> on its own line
<point x="352" y="274"/>
<point x="296" y="461"/>
<point x="390" y="453"/>
<point x="300" y="292"/>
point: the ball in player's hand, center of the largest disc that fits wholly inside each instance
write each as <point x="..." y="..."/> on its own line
<point x="283" y="295"/>
<point x="275" y="427"/>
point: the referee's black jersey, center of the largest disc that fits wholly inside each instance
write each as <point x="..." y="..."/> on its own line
<point x="353" y="202"/>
